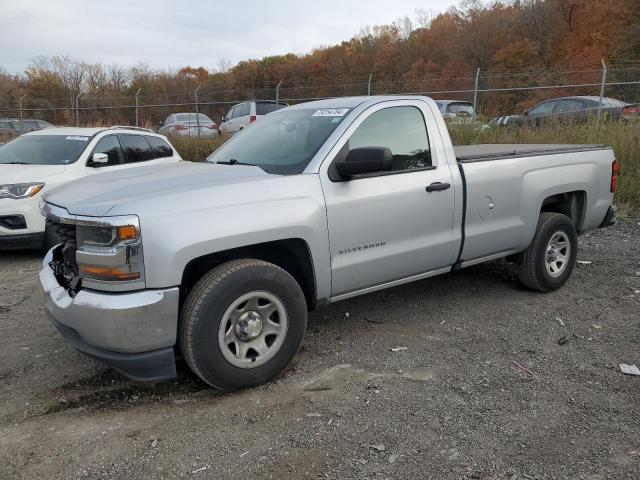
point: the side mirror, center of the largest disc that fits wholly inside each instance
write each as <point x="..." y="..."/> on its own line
<point x="365" y="160"/>
<point x="99" y="159"/>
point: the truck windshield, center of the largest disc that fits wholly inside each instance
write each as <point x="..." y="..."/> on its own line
<point x="43" y="149"/>
<point x="283" y="142"/>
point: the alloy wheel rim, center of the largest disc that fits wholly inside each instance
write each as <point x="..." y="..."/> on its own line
<point x="253" y="329"/>
<point x="557" y="254"/>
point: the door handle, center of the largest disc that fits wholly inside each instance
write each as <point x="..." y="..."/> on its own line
<point x="437" y="186"/>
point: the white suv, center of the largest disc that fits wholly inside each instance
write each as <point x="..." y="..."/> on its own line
<point x="45" y="159"/>
<point x="244" y="114"/>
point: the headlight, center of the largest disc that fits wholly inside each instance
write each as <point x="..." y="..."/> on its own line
<point x="109" y="253"/>
<point x="20" y="190"/>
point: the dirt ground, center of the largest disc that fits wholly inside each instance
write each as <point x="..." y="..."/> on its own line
<point x="483" y="390"/>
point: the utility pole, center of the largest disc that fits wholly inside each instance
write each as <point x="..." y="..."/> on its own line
<point x="137" y="107"/>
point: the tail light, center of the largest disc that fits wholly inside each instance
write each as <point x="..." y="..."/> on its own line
<point x="631" y="110"/>
<point x="614" y="176"/>
<point x="181" y="127"/>
<point x="252" y="118"/>
<point x="211" y="127"/>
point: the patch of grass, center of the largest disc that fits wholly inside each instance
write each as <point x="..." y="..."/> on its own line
<point x="196" y="149"/>
<point x="623" y="136"/>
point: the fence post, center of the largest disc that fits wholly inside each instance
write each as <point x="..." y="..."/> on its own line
<point x="475" y="94"/>
<point x="602" y="84"/>
<point x="278" y="93"/>
<point x="137" y="108"/>
<point x="20" y="108"/>
<point x="369" y="85"/>
<point x="195" y="94"/>
<point x="78" y="109"/>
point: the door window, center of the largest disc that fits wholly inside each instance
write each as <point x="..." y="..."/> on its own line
<point x="137" y="148"/>
<point x="160" y="148"/>
<point x="111" y="147"/>
<point x="242" y="110"/>
<point x="400" y="129"/>
<point x="544" y="108"/>
<point x="569" y="106"/>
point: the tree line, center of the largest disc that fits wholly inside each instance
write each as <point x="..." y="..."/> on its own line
<point x="497" y="36"/>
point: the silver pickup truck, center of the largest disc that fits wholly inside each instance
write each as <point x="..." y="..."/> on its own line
<point x="221" y="261"/>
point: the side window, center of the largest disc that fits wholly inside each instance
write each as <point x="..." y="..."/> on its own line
<point x="137" y="148"/>
<point x="544" y="108"/>
<point x="400" y="129"/>
<point x="111" y="147"/>
<point x="242" y="110"/>
<point x="569" y="106"/>
<point x="169" y="120"/>
<point x="160" y="148"/>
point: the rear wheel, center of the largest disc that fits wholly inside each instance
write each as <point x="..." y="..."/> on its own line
<point x="242" y="324"/>
<point x="548" y="262"/>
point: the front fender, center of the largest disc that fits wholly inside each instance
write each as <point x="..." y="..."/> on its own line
<point x="171" y="241"/>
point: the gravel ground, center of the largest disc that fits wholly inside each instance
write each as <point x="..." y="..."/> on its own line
<point x="482" y="388"/>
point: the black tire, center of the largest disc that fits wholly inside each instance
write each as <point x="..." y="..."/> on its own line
<point x="55" y="233"/>
<point x="205" y="306"/>
<point x="532" y="263"/>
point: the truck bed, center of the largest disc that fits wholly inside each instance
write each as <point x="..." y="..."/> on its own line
<point x="485" y="152"/>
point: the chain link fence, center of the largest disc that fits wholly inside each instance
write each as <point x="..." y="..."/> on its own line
<point x="494" y="93"/>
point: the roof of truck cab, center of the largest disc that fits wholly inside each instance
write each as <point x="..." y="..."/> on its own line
<point x="349" y="102"/>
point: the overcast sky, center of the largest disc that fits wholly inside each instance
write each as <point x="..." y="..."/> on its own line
<point x="174" y="33"/>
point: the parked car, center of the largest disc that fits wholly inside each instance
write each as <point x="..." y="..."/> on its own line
<point x="573" y="109"/>
<point x="243" y="114"/>
<point x="37" y="162"/>
<point x="455" y="108"/>
<point x="189" y="125"/>
<point x="316" y="203"/>
<point x="15" y="126"/>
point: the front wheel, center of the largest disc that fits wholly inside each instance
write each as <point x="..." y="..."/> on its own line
<point x="242" y="324"/>
<point x="548" y="262"/>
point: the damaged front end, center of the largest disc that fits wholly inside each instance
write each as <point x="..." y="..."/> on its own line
<point x="65" y="267"/>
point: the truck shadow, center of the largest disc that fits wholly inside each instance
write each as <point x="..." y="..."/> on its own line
<point x="110" y="391"/>
<point x="20" y="255"/>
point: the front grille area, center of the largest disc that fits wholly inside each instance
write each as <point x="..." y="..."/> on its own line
<point x="61" y="232"/>
<point x="13" y="222"/>
<point x="64" y="264"/>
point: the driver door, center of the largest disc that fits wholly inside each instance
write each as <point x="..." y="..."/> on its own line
<point x="387" y="226"/>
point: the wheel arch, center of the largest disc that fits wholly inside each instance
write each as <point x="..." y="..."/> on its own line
<point x="292" y="254"/>
<point x="572" y="204"/>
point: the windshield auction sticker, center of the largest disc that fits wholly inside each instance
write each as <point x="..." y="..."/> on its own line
<point x="330" y="112"/>
<point x="80" y="139"/>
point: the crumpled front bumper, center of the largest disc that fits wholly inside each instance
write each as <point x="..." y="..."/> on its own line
<point x="134" y="332"/>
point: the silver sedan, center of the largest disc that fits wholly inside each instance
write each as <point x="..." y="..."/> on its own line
<point x="189" y="125"/>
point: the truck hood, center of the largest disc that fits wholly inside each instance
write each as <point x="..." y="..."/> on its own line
<point x="28" y="173"/>
<point x="96" y="195"/>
